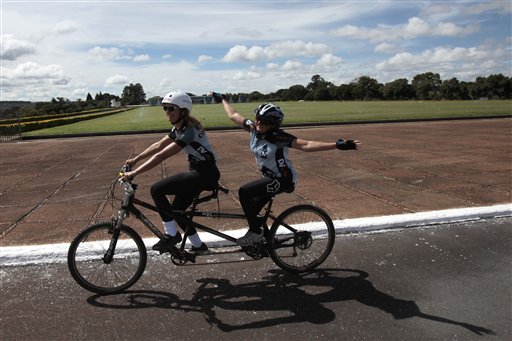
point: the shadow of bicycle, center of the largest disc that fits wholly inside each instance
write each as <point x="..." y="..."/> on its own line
<point x="303" y="298"/>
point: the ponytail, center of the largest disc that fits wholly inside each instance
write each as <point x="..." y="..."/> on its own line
<point x="191" y="120"/>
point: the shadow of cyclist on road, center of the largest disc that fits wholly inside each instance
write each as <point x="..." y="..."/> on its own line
<point x="285" y="297"/>
<point x="304" y="296"/>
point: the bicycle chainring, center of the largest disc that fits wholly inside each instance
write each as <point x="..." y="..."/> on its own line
<point x="256" y="250"/>
<point x="180" y="257"/>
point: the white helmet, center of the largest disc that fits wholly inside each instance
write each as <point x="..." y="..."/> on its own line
<point x="179" y="99"/>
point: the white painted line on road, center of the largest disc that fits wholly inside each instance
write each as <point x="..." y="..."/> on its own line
<point x="57" y="253"/>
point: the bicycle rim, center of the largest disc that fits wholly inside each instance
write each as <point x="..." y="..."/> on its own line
<point x="308" y="245"/>
<point x="86" y="259"/>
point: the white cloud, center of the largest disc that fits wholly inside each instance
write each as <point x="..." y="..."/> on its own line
<point x="385" y="48"/>
<point x="272" y="66"/>
<point x="106" y="54"/>
<point x="414" y="28"/>
<point x="242" y="75"/>
<point x="204" y="58"/>
<point x="504" y="7"/>
<point x="442" y="58"/>
<point x="13" y="48"/>
<point x="115" y="54"/>
<point x="65" y="27"/>
<point x="165" y="82"/>
<point x="116" y="79"/>
<point x="253" y="75"/>
<point x="276" y="50"/>
<point x="31" y="70"/>
<point x="291" y="65"/>
<point x="329" y="59"/>
<point x="167" y="56"/>
<point x="141" y="58"/>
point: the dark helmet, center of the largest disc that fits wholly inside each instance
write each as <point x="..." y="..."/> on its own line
<point x="270" y="113"/>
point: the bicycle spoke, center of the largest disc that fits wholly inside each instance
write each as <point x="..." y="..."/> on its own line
<point x="309" y="245"/>
<point x="86" y="259"/>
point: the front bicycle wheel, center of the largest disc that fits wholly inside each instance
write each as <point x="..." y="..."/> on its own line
<point x="95" y="270"/>
<point x="301" y="238"/>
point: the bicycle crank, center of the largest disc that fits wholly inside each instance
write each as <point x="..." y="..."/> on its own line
<point x="181" y="257"/>
<point x="256" y="251"/>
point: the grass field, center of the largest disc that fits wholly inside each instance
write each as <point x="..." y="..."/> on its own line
<point x="211" y="115"/>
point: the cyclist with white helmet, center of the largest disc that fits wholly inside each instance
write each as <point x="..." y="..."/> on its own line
<point x="270" y="146"/>
<point x="188" y="136"/>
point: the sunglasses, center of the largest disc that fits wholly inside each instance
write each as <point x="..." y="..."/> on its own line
<point x="171" y="109"/>
<point x="263" y="122"/>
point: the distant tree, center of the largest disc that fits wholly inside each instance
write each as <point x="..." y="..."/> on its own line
<point x="322" y="94"/>
<point x="343" y="92"/>
<point x="133" y="94"/>
<point x="297" y="92"/>
<point x="450" y="89"/>
<point x="88" y="98"/>
<point x="399" y="89"/>
<point x="256" y="96"/>
<point x="465" y="89"/>
<point x="427" y="85"/>
<point x="318" y="82"/>
<point x="498" y="86"/>
<point x="366" y="88"/>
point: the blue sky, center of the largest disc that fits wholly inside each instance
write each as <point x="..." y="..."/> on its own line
<point x="71" y="48"/>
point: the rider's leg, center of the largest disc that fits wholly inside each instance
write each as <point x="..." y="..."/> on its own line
<point x="253" y="196"/>
<point x="184" y="187"/>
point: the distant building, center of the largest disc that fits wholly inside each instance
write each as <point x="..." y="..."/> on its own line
<point x="157" y="100"/>
<point x="201" y="99"/>
<point x="115" y="103"/>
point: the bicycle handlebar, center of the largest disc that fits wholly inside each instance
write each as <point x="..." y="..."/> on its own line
<point x="126" y="168"/>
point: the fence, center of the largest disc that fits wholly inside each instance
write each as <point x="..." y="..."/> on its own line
<point x="10" y="130"/>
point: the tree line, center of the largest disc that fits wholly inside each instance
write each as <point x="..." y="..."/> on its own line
<point x="424" y="86"/>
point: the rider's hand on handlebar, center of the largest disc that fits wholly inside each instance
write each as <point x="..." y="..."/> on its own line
<point x="127" y="176"/>
<point x="130" y="162"/>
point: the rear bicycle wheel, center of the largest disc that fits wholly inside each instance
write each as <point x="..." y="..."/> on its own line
<point x="301" y="238"/>
<point x="90" y="266"/>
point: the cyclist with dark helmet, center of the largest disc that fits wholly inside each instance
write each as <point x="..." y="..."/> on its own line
<point x="270" y="144"/>
<point x="189" y="137"/>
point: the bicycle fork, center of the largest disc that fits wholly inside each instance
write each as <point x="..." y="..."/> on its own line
<point x="117" y="223"/>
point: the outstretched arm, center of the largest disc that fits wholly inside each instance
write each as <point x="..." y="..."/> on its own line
<point x="230" y="111"/>
<point x="316" y="146"/>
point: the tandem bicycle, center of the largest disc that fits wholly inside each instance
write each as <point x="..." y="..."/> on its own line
<point x="110" y="256"/>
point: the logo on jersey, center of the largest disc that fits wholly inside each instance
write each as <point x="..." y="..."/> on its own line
<point x="273" y="187"/>
<point x="264" y="152"/>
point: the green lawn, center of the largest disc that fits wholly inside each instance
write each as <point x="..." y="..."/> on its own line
<point x="212" y="115"/>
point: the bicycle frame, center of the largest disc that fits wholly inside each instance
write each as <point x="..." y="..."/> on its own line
<point x="129" y="203"/>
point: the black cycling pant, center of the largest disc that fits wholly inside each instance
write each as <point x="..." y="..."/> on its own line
<point x="256" y="194"/>
<point x="184" y="186"/>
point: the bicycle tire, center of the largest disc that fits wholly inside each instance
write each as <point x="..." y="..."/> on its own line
<point x="309" y="246"/>
<point x="86" y="259"/>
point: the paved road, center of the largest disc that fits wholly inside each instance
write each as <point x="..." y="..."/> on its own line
<point x="450" y="282"/>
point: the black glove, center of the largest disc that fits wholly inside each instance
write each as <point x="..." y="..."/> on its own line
<point x="341" y="144"/>
<point x="217" y="97"/>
